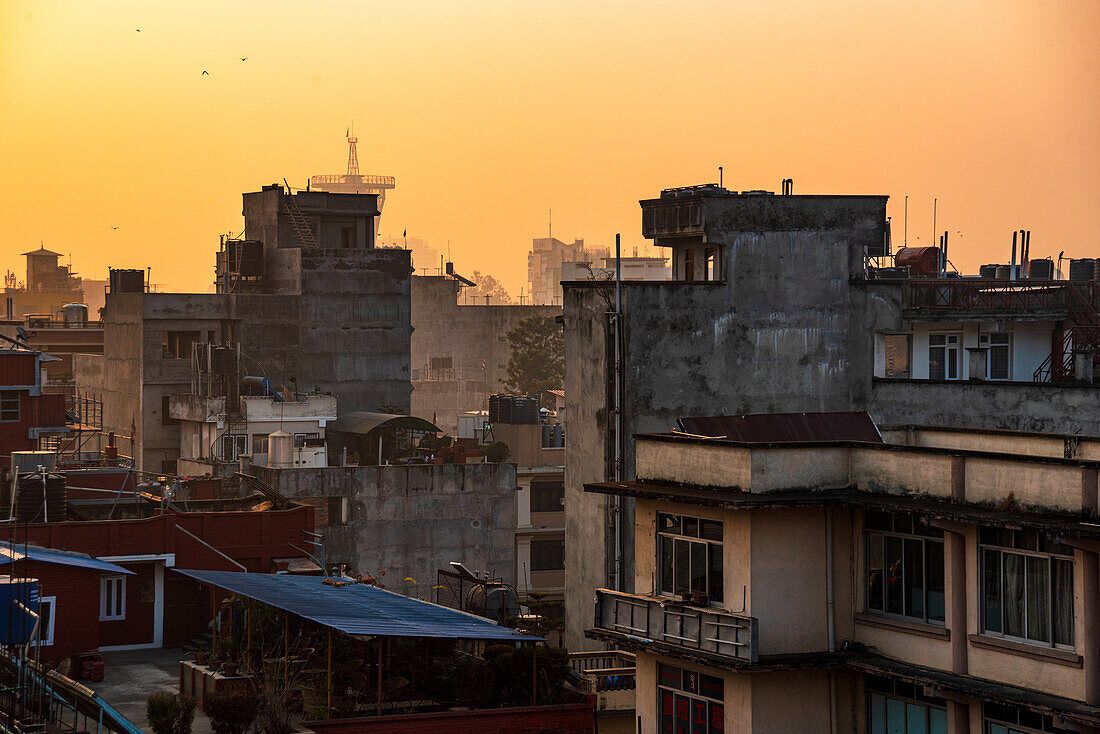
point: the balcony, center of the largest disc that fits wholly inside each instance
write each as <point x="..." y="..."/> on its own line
<point x="987" y="296"/>
<point x="693" y="629"/>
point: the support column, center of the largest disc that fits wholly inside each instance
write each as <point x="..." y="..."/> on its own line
<point x="1090" y="636"/>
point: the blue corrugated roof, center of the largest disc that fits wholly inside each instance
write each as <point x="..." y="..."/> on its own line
<point x="7" y="555"/>
<point x="357" y="609"/>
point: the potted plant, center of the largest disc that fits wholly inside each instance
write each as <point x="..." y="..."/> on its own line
<point x="170" y="713"/>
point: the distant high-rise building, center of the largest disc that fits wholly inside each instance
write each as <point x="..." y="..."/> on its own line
<point x="544" y="266"/>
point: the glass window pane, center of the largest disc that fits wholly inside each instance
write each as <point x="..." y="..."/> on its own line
<point x="914" y="578"/>
<point x="877" y="724"/>
<point x="1063" y="602"/>
<point x="666" y="713"/>
<point x="668" y="523"/>
<point x="952" y="364"/>
<point x="666" y="565"/>
<point x="874" y="571"/>
<point x="691" y="527"/>
<point x="991" y="590"/>
<point x="717" y="718"/>
<point x="699" y="567"/>
<point x="936" y="366"/>
<point x="1013" y="595"/>
<point x="1038" y="598"/>
<point x="937" y="721"/>
<point x="710" y="530"/>
<point x="894" y="570"/>
<point x="916" y="718"/>
<point x="895" y="716"/>
<point x="682" y="557"/>
<point x="716" y="581"/>
<point x="934" y="575"/>
<point x="998" y="729"/>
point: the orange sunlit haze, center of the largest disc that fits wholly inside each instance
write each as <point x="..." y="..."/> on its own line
<point x="118" y="149"/>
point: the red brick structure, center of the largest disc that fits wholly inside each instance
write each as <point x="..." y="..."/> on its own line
<point x="574" y="718"/>
<point x="25" y="411"/>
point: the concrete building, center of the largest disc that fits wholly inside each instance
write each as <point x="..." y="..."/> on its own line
<point x="925" y="583"/>
<point x="312" y="304"/>
<point x="544" y="266"/>
<point x="460" y="353"/>
<point x="47" y="287"/>
<point x="773" y="307"/>
<point x="409" y="521"/>
<point x="632" y="268"/>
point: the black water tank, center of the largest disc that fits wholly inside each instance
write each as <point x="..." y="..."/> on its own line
<point x="513" y="409"/>
<point x="988" y="271"/>
<point x="1082" y="270"/>
<point x="1004" y="272"/>
<point x="41" y="501"/>
<point x="1041" y="269"/>
<point x="127" y="281"/>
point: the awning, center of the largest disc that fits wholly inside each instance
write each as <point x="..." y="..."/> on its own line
<point x="357" y="609"/>
<point x="363" y="422"/>
<point x="9" y="555"/>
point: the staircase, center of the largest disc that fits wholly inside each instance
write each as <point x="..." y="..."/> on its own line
<point x="303" y="232"/>
<point x="1084" y="334"/>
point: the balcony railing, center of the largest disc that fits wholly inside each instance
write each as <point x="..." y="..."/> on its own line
<point x="694" y="628"/>
<point x="988" y="294"/>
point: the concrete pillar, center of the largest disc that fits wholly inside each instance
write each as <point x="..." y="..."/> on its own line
<point x="1090" y="635"/>
<point x="956" y="556"/>
<point x="979" y="357"/>
<point x="1083" y="365"/>
<point x="960" y="717"/>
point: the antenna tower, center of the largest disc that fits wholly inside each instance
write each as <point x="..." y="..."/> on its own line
<point x="353" y="157"/>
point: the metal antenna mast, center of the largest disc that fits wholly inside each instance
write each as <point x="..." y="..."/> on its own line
<point x="353" y="157"/>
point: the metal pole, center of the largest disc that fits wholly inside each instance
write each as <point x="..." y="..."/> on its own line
<point x="1012" y="267"/>
<point x="934" y="201"/>
<point x="328" y="712"/>
<point x="534" y="675"/>
<point x="620" y="500"/>
<point x="379" y="640"/>
<point x="286" y="652"/>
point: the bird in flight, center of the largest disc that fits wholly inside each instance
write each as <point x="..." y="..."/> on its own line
<point x="205" y="73"/>
<point x="138" y="30"/>
<point x="244" y="58"/>
<point x="114" y="227"/>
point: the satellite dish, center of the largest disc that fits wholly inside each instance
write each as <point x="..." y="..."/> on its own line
<point x="22" y="333"/>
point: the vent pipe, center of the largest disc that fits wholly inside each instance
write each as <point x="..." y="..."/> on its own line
<point x="1012" y="268"/>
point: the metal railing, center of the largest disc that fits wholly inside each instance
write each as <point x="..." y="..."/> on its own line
<point x="665" y="620"/>
<point x="339" y="178"/>
<point x="989" y="294"/>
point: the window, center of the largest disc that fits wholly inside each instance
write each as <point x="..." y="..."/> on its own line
<point x="112" y="597"/>
<point x="1001" y="719"/>
<point x="710" y="267"/>
<point x="690" y="550"/>
<point x="688" y="701"/>
<point x="547" y="496"/>
<point x="943" y="356"/>
<point x="337" y="510"/>
<point x="904" y="567"/>
<point x="347" y="237"/>
<point x="1000" y="352"/>
<point x="46" y="608"/>
<point x="548" y="555"/>
<point x="896" y="707"/>
<point x="233" y="446"/>
<point x="259" y="444"/>
<point x="897" y="355"/>
<point x="166" y="418"/>
<point x="9" y="405"/>
<point x="301" y="439"/>
<point x="1027" y="587"/>
<point x="177" y="344"/>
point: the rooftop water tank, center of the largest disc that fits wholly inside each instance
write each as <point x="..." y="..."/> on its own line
<point x="75" y="314"/>
<point x="280" y="450"/>
<point x="16" y="625"/>
<point x="923" y="262"/>
<point x="41" y="498"/>
<point x="1041" y="269"/>
<point x="127" y="281"/>
<point x="1082" y="269"/>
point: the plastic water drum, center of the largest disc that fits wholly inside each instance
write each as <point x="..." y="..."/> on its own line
<point x="16" y="625"/>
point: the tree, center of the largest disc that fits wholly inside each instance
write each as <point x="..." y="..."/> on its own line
<point x="537" y="362"/>
<point x="487" y="285"/>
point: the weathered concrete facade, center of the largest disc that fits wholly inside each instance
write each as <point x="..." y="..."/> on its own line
<point x="785" y="322"/>
<point x="411" y="521"/>
<point x="331" y="319"/>
<point x="459" y="353"/>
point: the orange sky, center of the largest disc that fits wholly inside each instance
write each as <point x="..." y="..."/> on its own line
<point x="489" y="113"/>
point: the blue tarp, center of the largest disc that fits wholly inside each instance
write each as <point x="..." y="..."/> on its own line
<point x="9" y="554"/>
<point x="357" y="609"/>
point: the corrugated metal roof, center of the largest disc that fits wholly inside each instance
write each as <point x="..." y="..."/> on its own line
<point x="363" y="422"/>
<point x="785" y="427"/>
<point x="8" y="555"/>
<point x="357" y="609"/>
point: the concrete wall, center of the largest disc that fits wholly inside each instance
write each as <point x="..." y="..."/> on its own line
<point x="413" y="520"/>
<point x="470" y="335"/>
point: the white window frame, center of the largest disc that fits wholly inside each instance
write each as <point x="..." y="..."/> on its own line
<point x="107" y="584"/>
<point x="947" y="348"/>
<point x="986" y="340"/>
<point x="45" y="640"/>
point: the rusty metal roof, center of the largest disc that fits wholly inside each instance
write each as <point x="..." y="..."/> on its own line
<point x="785" y="427"/>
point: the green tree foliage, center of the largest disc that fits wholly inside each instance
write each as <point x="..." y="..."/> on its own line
<point x="537" y="362"/>
<point x="487" y="285"/>
<point x="496" y="452"/>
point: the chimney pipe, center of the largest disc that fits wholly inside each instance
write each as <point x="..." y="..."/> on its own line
<point x="944" y="253"/>
<point x="1012" y="268"/>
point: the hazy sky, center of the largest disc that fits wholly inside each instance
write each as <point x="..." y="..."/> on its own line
<point x="489" y="113"/>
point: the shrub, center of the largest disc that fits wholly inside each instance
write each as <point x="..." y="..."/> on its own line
<point x="496" y="452"/>
<point x="231" y="713"/>
<point x="170" y="713"/>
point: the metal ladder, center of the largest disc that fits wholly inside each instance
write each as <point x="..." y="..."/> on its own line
<point x="302" y="231"/>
